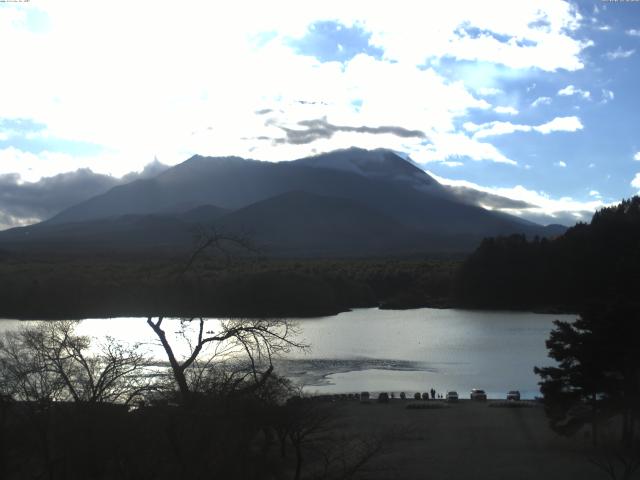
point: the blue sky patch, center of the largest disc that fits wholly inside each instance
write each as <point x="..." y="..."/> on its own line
<point x="30" y="136"/>
<point x="334" y="42"/>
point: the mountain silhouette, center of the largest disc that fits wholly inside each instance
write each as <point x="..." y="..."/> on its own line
<point x="347" y="202"/>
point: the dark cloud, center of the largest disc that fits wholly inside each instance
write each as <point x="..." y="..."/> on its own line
<point x="321" y="129"/>
<point x="497" y="202"/>
<point x="32" y="201"/>
<point x="491" y="200"/>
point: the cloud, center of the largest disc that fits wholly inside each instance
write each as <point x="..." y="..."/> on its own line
<point x="541" y="101"/>
<point x="560" y="124"/>
<point x="636" y="181"/>
<point x="595" y="193"/>
<point x="23" y="203"/>
<point x="488" y="91"/>
<point x="543" y="208"/>
<point x="561" y="164"/>
<point x="607" y="95"/>
<point x="506" y="110"/>
<point x="321" y="129"/>
<point x="619" y="53"/>
<point x="495" y="128"/>
<point x="489" y="129"/>
<point x="637" y="156"/>
<point x="486" y="199"/>
<point x="633" y="32"/>
<point x="192" y="78"/>
<point x="445" y="146"/>
<point x="571" y="90"/>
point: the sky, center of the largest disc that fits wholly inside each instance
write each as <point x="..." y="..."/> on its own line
<point x="530" y="100"/>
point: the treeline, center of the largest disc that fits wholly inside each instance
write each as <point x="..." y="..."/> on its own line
<point x="589" y="263"/>
<point x="67" y="287"/>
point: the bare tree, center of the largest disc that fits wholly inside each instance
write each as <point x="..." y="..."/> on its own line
<point x="257" y="340"/>
<point x="208" y="239"/>
<point x="51" y="362"/>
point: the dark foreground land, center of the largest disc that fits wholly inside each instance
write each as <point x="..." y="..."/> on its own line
<point x="468" y="440"/>
<point x="307" y="439"/>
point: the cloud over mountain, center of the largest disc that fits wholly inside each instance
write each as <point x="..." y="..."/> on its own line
<point x="27" y="202"/>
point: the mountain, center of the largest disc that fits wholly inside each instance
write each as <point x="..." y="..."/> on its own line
<point x="345" y="202"/>
<point x="307" y="224"/>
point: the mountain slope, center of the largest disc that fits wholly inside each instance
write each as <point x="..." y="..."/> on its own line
<point x="292" y="206"/>
<point x="307" y="224"/>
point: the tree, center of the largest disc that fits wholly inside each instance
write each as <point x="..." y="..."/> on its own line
<point x="598" y="371"/>
<point x="49" y="362"/>
<point x="258" y="339"/>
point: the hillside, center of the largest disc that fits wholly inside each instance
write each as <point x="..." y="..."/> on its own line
<point x="348" y="202"/>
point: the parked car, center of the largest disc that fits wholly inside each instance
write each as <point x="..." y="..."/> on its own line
<point x="477" y="394"/>
<point x="513" y="395"/>
<point x="452" y="396"/>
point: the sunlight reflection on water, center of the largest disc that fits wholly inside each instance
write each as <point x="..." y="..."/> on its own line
<point x="390" y="350"/>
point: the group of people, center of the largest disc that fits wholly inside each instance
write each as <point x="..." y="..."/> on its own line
<point x="435" y="395"/>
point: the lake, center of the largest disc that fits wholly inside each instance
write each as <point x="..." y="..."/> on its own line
<point x="395" y="350"/>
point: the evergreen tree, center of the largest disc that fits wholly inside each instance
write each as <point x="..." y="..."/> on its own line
<point x="598" y="372"/>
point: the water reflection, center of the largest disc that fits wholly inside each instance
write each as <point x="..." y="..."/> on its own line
<point x="384" y="350"/>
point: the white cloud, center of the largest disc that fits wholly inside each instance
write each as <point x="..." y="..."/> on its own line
<point x="637" y="156"/>
<point x="446" y="146"/>
<point x="595" y="193"/>
<point x="541" y="101"/>
<point x="607" y="95"/>
<point x="571" y="90"/>
<point x="489" y="129"/>
<point x="546" y="208"/>
<point x="207" y="70"/>
<point x="560" y="124"/>
<point x="619" y="53"/>
<point x="633" y="32"/>
<point x="636" y="181"/>
<point x="560" y="164"/>
<point x="31" y="167"/>
<point x="506" y="110"/>
<point x="498" y="128"/>
<point x="488" y="91"/>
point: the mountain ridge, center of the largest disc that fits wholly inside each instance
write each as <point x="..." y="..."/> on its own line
<point x="373" y="187"/>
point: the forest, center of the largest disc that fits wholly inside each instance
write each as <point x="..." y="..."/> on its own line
<point x="592" y="262"/>
<point x="61" y="287"/>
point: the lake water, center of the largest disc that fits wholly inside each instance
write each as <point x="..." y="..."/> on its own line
<point x="388" y="350"/>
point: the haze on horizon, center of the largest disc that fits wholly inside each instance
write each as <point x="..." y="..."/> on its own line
<point x="534" y="101"/>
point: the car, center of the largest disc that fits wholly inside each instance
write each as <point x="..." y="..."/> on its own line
<point x="477" y="394"/>
<point x="513" y="395"/>
<point x="452" y="396"/>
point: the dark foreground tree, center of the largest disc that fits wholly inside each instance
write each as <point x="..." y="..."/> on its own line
<point x="49" y="361"/>
<point x="251" y="342"/>
<point x="597" y="377"/>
